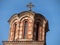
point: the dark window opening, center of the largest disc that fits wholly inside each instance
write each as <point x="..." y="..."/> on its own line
<point x="37" y="28"/>
<point x="25" y="28"/>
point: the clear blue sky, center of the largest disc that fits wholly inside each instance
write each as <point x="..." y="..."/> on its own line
<point x="49" y="8"/>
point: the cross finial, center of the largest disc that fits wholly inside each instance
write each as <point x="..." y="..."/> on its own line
<point x="30" y="5"/>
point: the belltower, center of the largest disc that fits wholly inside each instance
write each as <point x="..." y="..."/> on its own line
<point x="27" y="28"/>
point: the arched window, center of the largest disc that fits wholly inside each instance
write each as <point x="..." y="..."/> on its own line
<point x="37" y="28"/>
<point x="14" y="30"/>
<point x="25" y="28"/>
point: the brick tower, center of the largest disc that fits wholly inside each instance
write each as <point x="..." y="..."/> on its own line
<point x="27" y="28"/>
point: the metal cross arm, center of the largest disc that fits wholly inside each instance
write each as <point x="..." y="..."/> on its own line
<point x="30" y="5"/>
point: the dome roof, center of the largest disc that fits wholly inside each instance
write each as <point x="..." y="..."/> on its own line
<point x="24" y="12"/>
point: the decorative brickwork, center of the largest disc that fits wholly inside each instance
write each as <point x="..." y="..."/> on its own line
<point x="24" y="43"/>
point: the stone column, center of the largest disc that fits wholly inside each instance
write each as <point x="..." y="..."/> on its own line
<point x="11" y="33"/>
<point x="20" y="30"/>
<point x="43" y="31"/>
<point x="30" y="30"/>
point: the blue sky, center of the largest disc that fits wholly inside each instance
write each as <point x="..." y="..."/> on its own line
<point x="49" y="8"/>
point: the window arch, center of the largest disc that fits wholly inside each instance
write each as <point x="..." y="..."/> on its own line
<point x="25" y="28"/>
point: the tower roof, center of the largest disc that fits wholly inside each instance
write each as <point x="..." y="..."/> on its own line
<point x="24" y="12"/>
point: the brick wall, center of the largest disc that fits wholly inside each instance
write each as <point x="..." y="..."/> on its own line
<point x="23" y="43"/>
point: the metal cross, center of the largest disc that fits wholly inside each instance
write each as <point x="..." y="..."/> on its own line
<point x="30" y="5"/>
